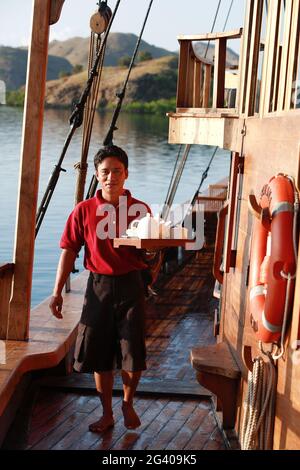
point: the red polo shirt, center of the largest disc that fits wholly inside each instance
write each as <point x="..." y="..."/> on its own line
<point x="94" y="223"/>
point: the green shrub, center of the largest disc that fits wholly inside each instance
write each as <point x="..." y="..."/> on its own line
<point x="15" y="98"/>
<point x="161" y="106"/>
<point x="63" y="74"/>
<point x="124" y="61"/>
<point x="144" y="55"/>
<point x="78" y="68"/>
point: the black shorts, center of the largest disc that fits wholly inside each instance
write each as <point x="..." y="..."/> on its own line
<point x="111" y="332"/>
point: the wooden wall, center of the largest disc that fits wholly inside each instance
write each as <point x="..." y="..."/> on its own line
<point x="271" y="145"/>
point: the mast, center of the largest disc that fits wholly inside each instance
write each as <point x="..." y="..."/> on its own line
<point x="45" y="12"/>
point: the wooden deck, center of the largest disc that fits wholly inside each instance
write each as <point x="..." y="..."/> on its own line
<point x="176" y="413"/>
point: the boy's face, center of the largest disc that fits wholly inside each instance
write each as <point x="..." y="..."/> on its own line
<point x="111" y="174"/>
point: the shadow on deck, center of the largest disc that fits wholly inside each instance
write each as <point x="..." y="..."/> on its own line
<point x="176" y="412"/>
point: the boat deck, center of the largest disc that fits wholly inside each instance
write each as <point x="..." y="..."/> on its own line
<point x="176" y="412"/>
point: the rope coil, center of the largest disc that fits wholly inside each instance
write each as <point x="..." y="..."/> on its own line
<point x="259" y="405"/>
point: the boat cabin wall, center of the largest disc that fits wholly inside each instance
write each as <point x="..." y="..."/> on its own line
<point x="271" y="146"/>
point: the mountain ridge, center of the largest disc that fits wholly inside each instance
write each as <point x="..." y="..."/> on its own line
<point x="76" y="49"/>
<point x="13" y="66"/>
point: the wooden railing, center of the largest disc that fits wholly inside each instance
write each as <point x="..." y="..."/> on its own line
<point x="267" y="80"/>
<point x="201" y="82"/>
<point x="6" y="275"/>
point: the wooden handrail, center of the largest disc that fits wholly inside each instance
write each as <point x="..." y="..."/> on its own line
<point x="195" y="74"/>
<point x="218" y="274"/>
<point x="235" y="34"/>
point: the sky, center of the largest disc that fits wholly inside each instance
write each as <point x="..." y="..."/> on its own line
<point x="168" y="19"/>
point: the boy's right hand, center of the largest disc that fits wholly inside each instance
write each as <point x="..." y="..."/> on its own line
<point x="55" y="305"/>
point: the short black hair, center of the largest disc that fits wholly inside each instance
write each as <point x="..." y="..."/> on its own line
<point x="111" y="151"/>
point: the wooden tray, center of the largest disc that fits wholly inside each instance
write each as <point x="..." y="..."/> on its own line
<point x="151" y="242"/>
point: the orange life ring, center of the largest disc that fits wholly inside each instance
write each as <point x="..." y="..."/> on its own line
<point x="272" y="262"/>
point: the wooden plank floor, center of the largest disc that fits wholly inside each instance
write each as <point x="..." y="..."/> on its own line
<point x="60" y="421"/>
<point x="180" y="317"/>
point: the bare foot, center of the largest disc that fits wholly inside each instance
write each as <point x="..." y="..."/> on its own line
<point x="102" y="425"/>
<point x="131" y="419"/>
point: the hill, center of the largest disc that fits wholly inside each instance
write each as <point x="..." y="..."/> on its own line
<point x="76" y="49"/>
<point x="13" y="65"/>
<point x="150" y="80"/>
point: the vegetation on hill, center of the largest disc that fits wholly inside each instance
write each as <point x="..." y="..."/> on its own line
<point x="151" y="87"/>
<point x="15" y="97"/>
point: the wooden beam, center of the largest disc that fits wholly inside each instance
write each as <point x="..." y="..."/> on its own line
<point x="293" y="54"/>
<point x="212" y="36"/>
<point x="184" y="58"/>
<point x="244" y="57"/>
<point x="253" y="58"/>
<point x="197" y="84"/>
<point x="56" y="7"/>
<point x="285" y="56"/>
<point x="29" y="172"/>
<point x="236" y="169"/>
<point x="238" y="89"/>
<point x="268" y="81"/>
<point x="277" y="77"/>
<point x="219" y="73"/>
<point x="206" y="86"/>
<point x="190" y="78"/>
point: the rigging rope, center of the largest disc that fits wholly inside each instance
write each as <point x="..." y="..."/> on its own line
<point x="228" y="14"/>
<point x="213" y="25"/>
<point x="203" y="178"/>
<point x="172" y="178"/>
<point x="89" y="113"/>
<point x="109" y="136"/>
<point x="76" y="119"/>
<point x="172" y="192"/>
<point x="175" y="183"/>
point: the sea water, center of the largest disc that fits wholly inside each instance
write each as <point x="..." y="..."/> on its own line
<point x="151" y="163"/>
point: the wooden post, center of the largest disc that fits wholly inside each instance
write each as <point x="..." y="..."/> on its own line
<point x="206" y="86"/>
<point x="219" y="73"/>
<point x="253" y="59"/>
<point x="190" y="79"/>
<point x="244" y="56"/>
<point x="236" y="169"/>
<point x="184" y="58"/>
<point x="292" y="56"/>
<point x="285" y="56"/>
<point x="197" y="84"/>
<point x="6" y="274"/>
<point x="29" y="172"/>
<point x="268" y="81"/>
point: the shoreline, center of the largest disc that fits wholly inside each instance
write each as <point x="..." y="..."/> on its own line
<point x="158" y="107"/>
